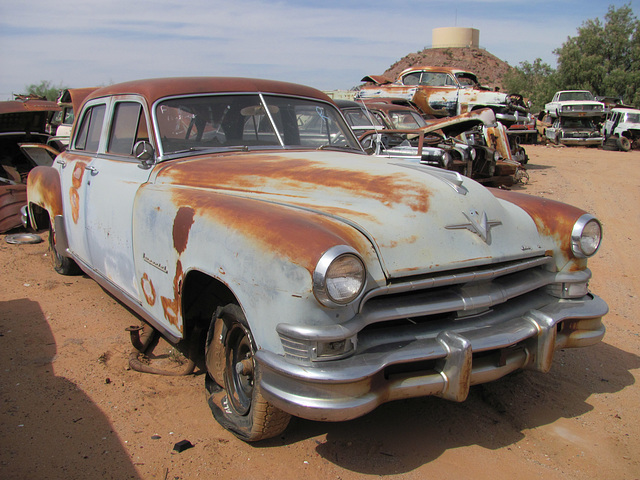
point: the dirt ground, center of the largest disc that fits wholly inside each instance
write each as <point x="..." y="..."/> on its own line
<point x="71" y="409"/>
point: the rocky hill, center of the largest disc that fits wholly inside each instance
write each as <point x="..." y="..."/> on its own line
<point x="489" y="68"/>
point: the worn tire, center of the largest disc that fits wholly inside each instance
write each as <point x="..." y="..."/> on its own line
<point x="233" y="380"/>
<point x="62" y="265"/>
<point x="623" y="144"/>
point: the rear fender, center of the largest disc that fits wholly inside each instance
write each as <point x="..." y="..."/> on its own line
<point x="43" y="190"/>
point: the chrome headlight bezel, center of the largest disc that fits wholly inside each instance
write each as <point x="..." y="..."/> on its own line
<point x="322" y="274"/>
<point x="586" y="231"/>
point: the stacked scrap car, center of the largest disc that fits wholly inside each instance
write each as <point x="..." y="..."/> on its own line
<point x="572" y="118"/>
<point x="445" y="92"/>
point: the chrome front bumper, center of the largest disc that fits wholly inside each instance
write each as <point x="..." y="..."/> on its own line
<point x="442" y="358"/>
<point x="582" y="141"/>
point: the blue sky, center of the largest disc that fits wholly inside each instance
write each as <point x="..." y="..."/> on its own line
<point x="327" y="45"/>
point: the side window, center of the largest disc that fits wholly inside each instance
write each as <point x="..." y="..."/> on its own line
<point x="411" y="79"/>
<point x="88" y="137"/>
<point x="128" y="127"/>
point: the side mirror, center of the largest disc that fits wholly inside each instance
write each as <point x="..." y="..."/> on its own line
<point x="144" y="152"/>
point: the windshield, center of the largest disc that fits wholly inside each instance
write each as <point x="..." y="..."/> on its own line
<point x="249" y="121"/>
<point x="570" y="122"/>
<point x="467" y="79"/>
<point x="580" y="96"/>
<point x="633" y="118"/>
<point x="360" y="118"/>
<point x="403" y="119"/>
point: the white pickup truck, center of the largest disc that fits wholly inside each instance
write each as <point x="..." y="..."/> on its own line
<point x="574" y="103"/>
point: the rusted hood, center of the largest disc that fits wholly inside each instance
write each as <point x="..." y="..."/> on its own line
<point x="377" y="79"/>
<point x="416" y="217"/>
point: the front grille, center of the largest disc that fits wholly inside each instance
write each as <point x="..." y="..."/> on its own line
<point x="458" y="293"/>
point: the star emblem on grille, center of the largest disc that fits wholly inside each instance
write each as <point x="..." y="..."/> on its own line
<point x="478" y="224"/>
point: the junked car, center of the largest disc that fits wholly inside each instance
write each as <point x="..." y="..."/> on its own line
<point x="23" y="122"/>
<point x="471" y="144"/>
<point x="242" y="215"/>
<point x="574" y="131"/>
<point x="444" y="92"/>
<point x="623" y="123"/>
<point x="574" y="103"/>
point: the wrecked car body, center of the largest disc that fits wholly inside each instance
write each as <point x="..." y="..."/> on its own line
<point x="574" y="131"/>
<point x="444" y="92"/>
<point x="243" y="216"/>
<point x="471" y="143"/>
<point x="623" y="123"/>
<point x="22" y="121"/>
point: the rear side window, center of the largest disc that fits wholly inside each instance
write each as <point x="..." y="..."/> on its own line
<point x="88" y="137"/>
<point x="129" y="126"/>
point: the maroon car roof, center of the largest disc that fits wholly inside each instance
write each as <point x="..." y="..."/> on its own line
<point x="153" y="89"/>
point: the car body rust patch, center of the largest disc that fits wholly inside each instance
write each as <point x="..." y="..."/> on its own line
<point x="298" y="175"/>
<point x="291" y="233"/>
<point x="553" y="219"/>
<point x="43" y="189"/>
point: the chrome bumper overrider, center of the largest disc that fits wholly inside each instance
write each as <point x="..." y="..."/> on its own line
<point x="437" y="358"/>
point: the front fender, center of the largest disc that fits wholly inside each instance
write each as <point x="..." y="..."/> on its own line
<point x="264" y="252"/>
<point x="555" y="222"/>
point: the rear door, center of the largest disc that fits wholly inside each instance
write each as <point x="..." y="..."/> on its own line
<point x="72" y="166"/>
<point x="114" y="178"/>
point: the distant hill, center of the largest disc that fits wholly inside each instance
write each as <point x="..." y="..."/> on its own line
<point x="489" y="68"/>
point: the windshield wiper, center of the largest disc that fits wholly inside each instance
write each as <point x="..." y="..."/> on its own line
<point x="328" y="146"/>
<point x="239" y="148"/>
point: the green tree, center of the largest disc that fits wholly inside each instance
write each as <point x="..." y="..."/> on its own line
<point x="44" y="89"/>
<point x="603" y="57"/>
<point x="534" y="81"/>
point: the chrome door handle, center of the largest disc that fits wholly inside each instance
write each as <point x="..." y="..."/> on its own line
<point x="92" y="169"/>
<point x="61" y="162"/>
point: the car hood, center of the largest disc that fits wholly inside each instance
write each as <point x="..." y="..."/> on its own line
<point x="419" y="219"/>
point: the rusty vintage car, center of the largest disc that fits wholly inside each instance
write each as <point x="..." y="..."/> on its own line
<point x="242" y="215"/>
<point x="445" y="92"/>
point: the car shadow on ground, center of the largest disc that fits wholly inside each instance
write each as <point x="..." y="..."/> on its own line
<point x="401" y="436"/>
<point x="50" y="428"/>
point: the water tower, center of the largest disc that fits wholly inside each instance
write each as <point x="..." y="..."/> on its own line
<point x="455" y="37"/>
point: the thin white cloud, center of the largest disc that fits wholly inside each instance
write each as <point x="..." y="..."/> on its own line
<point x="90" y="42"/>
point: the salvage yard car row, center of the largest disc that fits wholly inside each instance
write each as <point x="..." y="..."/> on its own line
<point x="244" y="221"/>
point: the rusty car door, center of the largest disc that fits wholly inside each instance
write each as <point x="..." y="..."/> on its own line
<point x="114" y="179"/>
<point x="73" y="168"/>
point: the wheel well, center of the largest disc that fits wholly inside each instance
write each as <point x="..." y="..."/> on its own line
<point x="40" y="217"/>
<point x="201" y="295"/>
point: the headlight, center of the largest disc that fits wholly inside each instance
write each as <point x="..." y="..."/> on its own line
<point x="339" y="276"/>
<point x="586" y="236"/>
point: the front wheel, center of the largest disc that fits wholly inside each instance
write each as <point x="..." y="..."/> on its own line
<point x="233" y="380"/>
